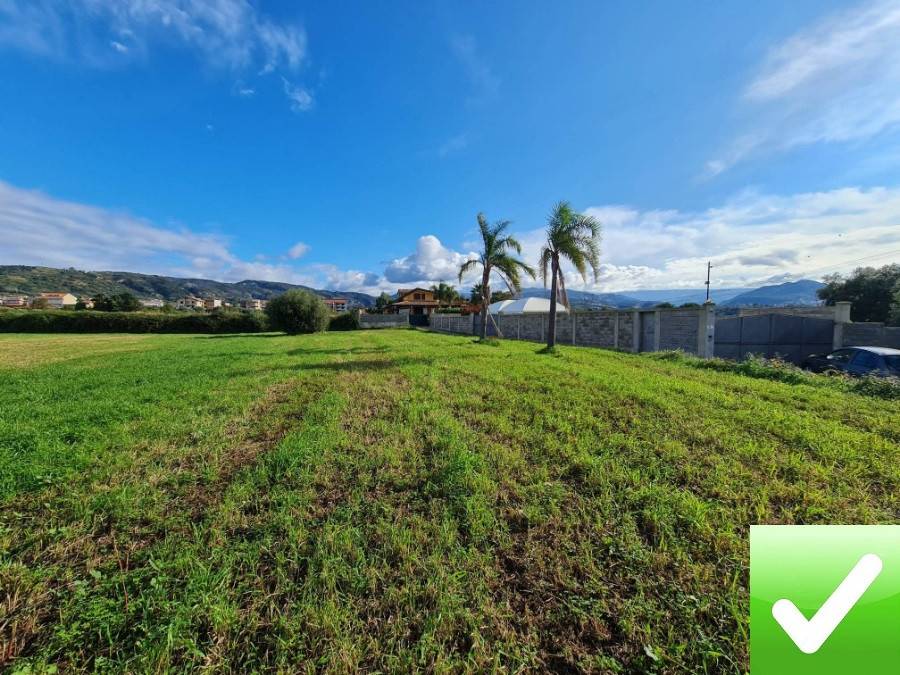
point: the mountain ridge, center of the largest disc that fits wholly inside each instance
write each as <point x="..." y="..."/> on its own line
<point x="802" y="292"/>
<point x="33" y="279"/>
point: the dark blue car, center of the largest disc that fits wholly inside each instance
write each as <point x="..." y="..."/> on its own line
<point x="858" y="361"/>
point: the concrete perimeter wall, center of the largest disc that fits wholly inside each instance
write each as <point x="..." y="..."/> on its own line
<point x="690" y="330"/>
<point x="871" y="334"/>
<point x="383" y="320"/>
<point x="791" y="333"/>
<point x="452" y="323"/>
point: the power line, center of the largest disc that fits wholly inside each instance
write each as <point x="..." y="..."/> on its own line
<point x="849" y="262"/>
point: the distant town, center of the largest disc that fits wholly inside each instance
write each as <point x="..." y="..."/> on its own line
<point x="66" y="300"/>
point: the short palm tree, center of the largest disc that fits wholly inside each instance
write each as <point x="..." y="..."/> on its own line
<point x="445" y="293"/>
<point x="496" y="257"/>
<point x="574" y="237"/>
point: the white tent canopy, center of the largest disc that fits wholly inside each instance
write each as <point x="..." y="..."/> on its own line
<point x="495" y="307"/>
<point x="525" y="306"/>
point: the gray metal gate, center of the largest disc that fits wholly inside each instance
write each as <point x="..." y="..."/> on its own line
<point x="790" y="337"/>
<point x="648" y="331"/>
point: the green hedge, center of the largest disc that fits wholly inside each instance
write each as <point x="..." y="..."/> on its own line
<point x="345" y="321"/>
<point x="62" y="321"/>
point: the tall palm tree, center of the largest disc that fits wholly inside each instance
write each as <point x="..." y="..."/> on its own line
<point x="574" y="237"/>
<point x="496" y="257"/>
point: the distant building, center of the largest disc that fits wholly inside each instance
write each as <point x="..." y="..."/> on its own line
<point x="87" y="302"/>
<point x="212" y="303"/>
<point x="14" y="300"/>
<point x="413" y="301"/>
<point x="59" y="300"/>
<point x="253" y="303"/>
<point x="189" y="302"/>
<point x="337" y="304"/>
<point x="152" y="303"/>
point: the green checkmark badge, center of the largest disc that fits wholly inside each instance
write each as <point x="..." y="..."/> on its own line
<point x="824" y="599"/>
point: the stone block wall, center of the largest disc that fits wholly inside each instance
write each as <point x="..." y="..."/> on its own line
<point x="871" y="334"/>
<point x="452" y="323"/>
<point x="692" y="330"/>
<point x="383" y="320"/>
<point x="678" y="330"/>
<point x="612" y="329"/>
<point x="597" y="329"/>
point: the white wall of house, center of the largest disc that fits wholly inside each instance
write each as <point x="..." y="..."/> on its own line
<point x="58" y="301"/>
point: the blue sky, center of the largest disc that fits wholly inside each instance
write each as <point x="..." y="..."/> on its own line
<point x="350" y="145"/>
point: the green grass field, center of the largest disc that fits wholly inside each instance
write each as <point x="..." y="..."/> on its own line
<point x="392" y="500"/>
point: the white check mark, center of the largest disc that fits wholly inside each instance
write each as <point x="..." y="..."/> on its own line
<point x="810" y="635"/>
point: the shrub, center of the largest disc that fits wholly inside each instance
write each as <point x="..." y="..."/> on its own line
<point x="752" y="366"/>
<point x="879" y="387"/>
<point x="771" y="369"/>
<point x="297" y="312"/>
<point x="60" y="321"/>
<point x="120" y="302"/>
<point x="782" y="371"/>
<point x="345" y="321"/>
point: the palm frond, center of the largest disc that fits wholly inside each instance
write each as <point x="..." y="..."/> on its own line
<point x="544" y="263"/>
<point x="496" y="255"/>
<point x="511" y="243"/>
<point x="512" y="269"/>
<point x="563" y="295"/>
<point x="466" y="266"/>
<point x="574" y="237"/>
<point x="484" y="227"/>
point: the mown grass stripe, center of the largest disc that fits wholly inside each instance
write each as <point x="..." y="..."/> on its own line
<point x="418" y="502"/>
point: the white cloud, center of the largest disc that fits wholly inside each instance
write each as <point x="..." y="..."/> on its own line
<point x="298" y="250"/>
<point x="750" y="239"/>
<point x="836" y="44"/>
<point x="41" y="230"/>
<point x="454" y="145"/>
<point x="229" y="34"/>
<point x="835" y="81"/>
<point x="243" y="90"/>
<point x="430" y="262"/>
<point x="349" y="280"/>
<point x="482" y="78"/>
<point x="301" y="99"/>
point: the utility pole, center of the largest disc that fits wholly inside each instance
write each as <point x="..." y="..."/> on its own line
<point x="708" y="269"/>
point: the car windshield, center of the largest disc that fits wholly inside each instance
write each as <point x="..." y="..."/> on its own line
<point x="893" y="364"/>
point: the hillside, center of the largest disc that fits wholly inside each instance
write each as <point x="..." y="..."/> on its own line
<point x="586" y="299"/>
<point x="801" y="292"/>
<point x="794" y="293"/>
<point x="29" y="280"/>
<point x="679" y="296"/>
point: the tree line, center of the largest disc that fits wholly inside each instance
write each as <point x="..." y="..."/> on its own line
<point x="874" y="292"/>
